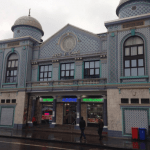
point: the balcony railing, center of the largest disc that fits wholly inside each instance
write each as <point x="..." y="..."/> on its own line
<point x="74" y="82"/>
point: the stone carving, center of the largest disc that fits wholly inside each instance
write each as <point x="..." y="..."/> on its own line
<point x="68" y="43"/>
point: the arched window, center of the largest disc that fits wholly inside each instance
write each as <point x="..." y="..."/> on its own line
<point x="12" y="66"/>
<point x="134" y="57"/>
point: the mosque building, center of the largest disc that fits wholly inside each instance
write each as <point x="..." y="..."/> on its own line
<point x="77" y="73"/>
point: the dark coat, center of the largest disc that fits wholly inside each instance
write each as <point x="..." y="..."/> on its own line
<point x="82" y="123"/>
<point x="100" y="124"/>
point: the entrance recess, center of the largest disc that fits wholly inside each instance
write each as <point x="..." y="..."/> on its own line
<point x="69" y="114"/>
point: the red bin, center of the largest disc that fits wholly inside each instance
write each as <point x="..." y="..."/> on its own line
<point x="135" y="145"/>
<point x="135" y="133"/>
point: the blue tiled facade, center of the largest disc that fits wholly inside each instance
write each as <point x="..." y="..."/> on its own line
<point x="77" y="46"/>
<point x="27" y="31"/>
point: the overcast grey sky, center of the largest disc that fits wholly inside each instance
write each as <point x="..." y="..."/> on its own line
<point x="53" y="15"/>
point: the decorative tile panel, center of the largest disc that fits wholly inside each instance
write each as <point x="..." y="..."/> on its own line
<point x="86" y="43"/>
<point x="27" y="31"/>
<point x="135" y="118"/>
<point x="112" y="60"/>
<point x="141" y="8"/>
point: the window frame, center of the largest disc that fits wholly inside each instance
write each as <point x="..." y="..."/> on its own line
<point x="92" y="76"/>
<point x="67" y="77"/>
<point x="133" y="57"/>
<point x="9" y="69"/>
<point x="45" y="72"/>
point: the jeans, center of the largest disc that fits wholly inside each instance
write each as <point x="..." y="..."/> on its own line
<point x="100" y="132"/>
<point x="82" y="133"/>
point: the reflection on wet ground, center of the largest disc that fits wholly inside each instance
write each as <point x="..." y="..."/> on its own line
<point x="75" y="138"/>
<point x="22" y="144"/>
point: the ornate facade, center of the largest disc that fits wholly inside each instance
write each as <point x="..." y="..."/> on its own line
<point x="76" y="73"/>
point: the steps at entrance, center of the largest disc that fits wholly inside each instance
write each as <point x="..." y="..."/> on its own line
<point x="66" y="129"/>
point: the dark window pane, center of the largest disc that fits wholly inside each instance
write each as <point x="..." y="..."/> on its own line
<point x="7" y="100"/>
<point x="96" y="64"/>
<point x="86" y="71"/>
<point x="11" y="79"/>
<point x="87" y="65"/>
<point x="140" y="71"/>
<point x="133" y="71"/>
<point x="140" y="62"/>
<point x="42" y="68"/>
<point x="127" y="72"/>
<point x="2" y="100"/>
<point x="41" y="79"/>
<point x="124" y="100"/>
<point x="46" y="68"/>
<point x="127" y="63"/>
<point x="133" y="63"/>
<point x="8" y="79"/>
<point x="15" y="79"/>
<point x="144" y="101"/>
<point x="127" y="51"/>
<point x="135" y="101"/>
<point x="91" y="64"/>
<point x="13" y="100"/>
<point x="133" y="51"/>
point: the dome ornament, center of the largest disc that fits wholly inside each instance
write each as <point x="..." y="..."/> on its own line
<point x="29" y="12"/>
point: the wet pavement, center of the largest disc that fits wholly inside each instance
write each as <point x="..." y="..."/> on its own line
<point x="112" y="143"/>
<point x="24" y="144"/>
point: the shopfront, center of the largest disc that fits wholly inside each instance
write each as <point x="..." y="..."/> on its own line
<point x="94" y="110"/>
<point x="47" y="110"/>
<point x="69" y="109"/>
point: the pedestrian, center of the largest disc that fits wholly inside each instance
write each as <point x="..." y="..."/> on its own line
<point x="100" y="128"/>
<point x="82" y="128"/>
<point x="34" y="121"/>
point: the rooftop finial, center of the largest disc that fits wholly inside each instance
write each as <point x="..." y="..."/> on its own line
<point x="29" y="12"/>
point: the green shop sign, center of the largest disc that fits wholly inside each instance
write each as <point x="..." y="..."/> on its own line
<point x="48" y="99"/>
<point x="93" y="100"/>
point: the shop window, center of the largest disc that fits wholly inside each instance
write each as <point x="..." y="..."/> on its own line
<point x="92" y="69"/>
<point x="13" y="100"/>
<point x="67" y="71"/>
<point x="7" y="100"/>
<point x="2" y="100"/>
<point x="144" y="101"/>
<point x="94" y="112"/>
<point x="134" y="101"/>
<point x="124" y="100"/>
<point x="134" y="57"/>
<point x="12" y="69"/>
<point x="46" y="73"/>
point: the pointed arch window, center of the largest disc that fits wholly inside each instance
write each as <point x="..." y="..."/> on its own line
<point x="134" y="57"/>
<point x="12" y="69"/>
